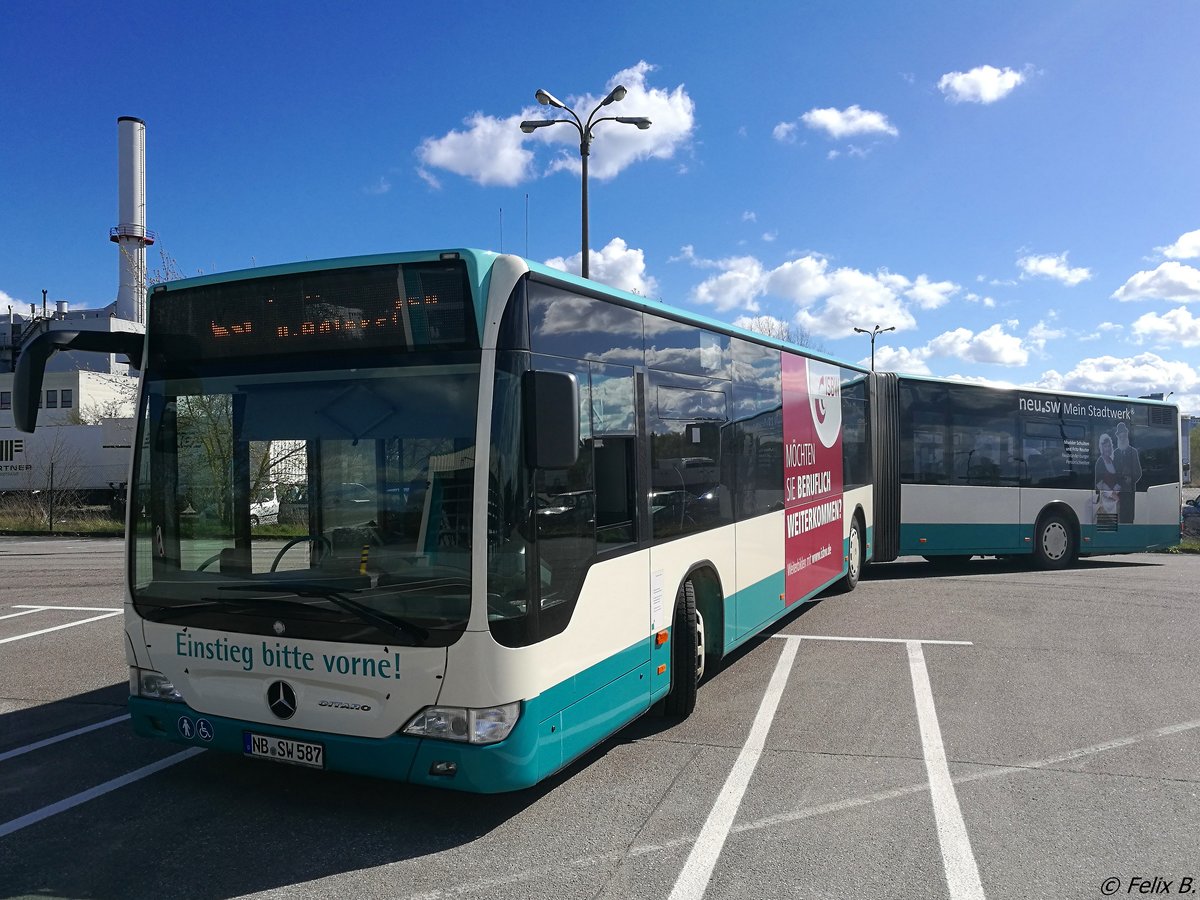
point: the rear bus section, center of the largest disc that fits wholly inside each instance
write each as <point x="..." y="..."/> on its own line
<point x="1013" y="472"/>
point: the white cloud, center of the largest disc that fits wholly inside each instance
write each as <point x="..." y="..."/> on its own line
<point x="489" y="151"/>
<point x="841" y="123"/>
<point x="1040" y="333"/>
<point x="829" y="302"/>
<point x="618" y="146"/>
<point x="770" y="236"/>
<point x="930" y="294"/>
<point x="983" y="301"/>
<point x="992" y="345"/>
<point x="1053" y="267"/>
<point x="1133" y="376"/>
<point x="1170" y="281"/>
<point x="983" y="84"/>
<point x="494" y="151"/>
<point x="899" y="359"/>
<point x="749" y="216"/>
<point x="739" y="285"/>
<point x="785" y="132"/>
<point x="617" y="265"/>
<point x="1187" y="247"/>
<point x="854" y="299"/>
<point x="379" y="187"/>
<point x="1178" y="326"/>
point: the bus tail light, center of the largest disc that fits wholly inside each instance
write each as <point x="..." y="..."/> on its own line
<point x="489" y="725"/>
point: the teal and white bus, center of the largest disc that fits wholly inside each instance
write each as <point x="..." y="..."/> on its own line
<point x="970" y="470"/>
<point x="513" y="510"/>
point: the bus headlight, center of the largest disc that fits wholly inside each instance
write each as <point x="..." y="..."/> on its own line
<point x="153" y="686"/>
<point x="489" y="725"/>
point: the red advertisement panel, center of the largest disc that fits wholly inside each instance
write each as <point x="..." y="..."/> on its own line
<point x="812" y="475"/>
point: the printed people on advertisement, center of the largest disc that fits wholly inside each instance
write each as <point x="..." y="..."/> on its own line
<point x="1129" y="471"/>
<point x="1108" y="482"/>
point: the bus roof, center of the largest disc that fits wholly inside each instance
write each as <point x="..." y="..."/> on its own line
<point x="479" y="268"/>
<point x="1149" y="401"/>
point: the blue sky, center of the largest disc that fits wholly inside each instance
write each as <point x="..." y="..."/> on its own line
<point x="1013" y="185"/>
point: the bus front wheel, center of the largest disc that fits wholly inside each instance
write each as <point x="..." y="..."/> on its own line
<point x="687" y="653"/>
<point x="1054" y="543"/>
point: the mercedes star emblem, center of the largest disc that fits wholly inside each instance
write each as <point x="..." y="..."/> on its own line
<point x="281" y="699"/>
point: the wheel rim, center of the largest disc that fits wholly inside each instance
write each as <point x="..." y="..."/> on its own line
<point x="699" y="645"/>
<point x="1055" y="541"/>
<point x="855" y="553"/>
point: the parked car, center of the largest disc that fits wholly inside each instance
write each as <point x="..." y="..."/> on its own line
<point x="264" y="508"/>
<point x="1191" y="517"/>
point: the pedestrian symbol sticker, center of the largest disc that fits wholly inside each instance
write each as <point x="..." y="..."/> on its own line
<point x="186" y="728"/>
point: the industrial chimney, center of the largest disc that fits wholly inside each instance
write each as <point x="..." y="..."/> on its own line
<point x="131" y="236"/>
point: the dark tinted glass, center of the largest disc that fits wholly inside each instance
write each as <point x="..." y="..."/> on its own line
<point x="983" y="437"/>
<point x="677" y="347"/>
<point x="924" y="448"/>
<point x="691" y="485"/>
<point x="389" y="307"/>
<point x="570" y="325"/>
<point x="856" y="447"/>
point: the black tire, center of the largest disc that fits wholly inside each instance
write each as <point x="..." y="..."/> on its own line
<point x="687" y="654"/>
<point x="254" y="521"/>
<point x="854" y="567"/>
<point x="1055" y="544"/>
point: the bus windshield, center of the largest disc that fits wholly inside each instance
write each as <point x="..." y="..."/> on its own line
<point x="336" y="507"/>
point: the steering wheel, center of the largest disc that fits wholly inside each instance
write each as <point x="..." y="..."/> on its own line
<point x="325" y="547"/>
<point x="208" y="562"/>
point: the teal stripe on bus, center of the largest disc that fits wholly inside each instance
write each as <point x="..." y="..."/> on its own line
<point x="929" y="539"/>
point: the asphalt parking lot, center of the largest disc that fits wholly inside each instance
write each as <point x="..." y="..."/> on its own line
<point x="988" y="732"/>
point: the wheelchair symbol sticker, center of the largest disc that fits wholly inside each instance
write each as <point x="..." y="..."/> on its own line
<point x="204" y="729"/>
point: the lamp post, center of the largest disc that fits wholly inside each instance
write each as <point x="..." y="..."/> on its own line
<point x="874" y="334"/>
<point x="585" y="138"/>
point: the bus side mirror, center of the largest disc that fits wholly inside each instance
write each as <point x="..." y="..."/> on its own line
<point x="31" y="364"/>
<point x="551" y="411"/>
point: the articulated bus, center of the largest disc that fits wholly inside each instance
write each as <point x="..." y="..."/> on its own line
<point x="968" y="470"/>
<point x="511" y="510"/>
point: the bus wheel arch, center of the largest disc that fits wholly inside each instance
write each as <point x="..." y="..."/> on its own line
<point x="1056" y="537"/>
<point x="697" y="626"/>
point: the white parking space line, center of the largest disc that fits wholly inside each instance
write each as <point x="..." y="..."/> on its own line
<point x="492" y="885"/>
<point x="28" y="611"/>
<point x="962" y="873"/>
<point x="108" y="613"/>
<point x="99" y="790"/>
<point x="698" y="869"/>
<point x="38" y="745"/>
<point x="869" y="640"/>
<point x="33" y="608"/>
<point x="995" y="771"/>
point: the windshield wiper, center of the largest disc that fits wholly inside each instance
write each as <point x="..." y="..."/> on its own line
<point x="384" y="620"/>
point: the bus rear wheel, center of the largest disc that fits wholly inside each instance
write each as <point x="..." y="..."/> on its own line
<point x="854" y="560"/>
<point x="1054" y="545"/>
<point x="687" y="654"/>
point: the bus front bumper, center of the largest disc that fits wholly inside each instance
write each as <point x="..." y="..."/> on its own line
<point x="509" y="765"/>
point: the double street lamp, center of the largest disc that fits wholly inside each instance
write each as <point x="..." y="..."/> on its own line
<point x="585" y="138"/>
<point x="874" y="334"/>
